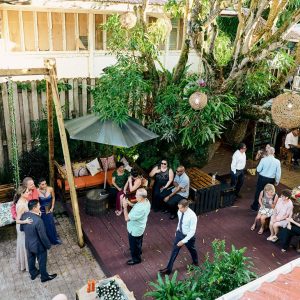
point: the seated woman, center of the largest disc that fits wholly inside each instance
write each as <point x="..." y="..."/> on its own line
<point x="163" y="178"/>
<point x="119" y="179"/>
<point x="267" y="201"/>
<point x="282" y="211"/>
<point x="134" y="182"/>
<point x="47" y="202"/>
<point x="293" y="229"/>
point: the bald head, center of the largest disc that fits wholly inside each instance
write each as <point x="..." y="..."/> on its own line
<point x="60" y="297"/>
<point x="271" y="151"/>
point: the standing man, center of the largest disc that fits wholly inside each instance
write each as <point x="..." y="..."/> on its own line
<point x="136" y="224"/>
<point x="237" y="168"/>
<point x="269" y="170"/>
<point x="180" y="191"/>
<point x="29" y="183"/>
<point x="185" y="235"/>
<point x="36" y="242"/>
<point x="292" y="143"/>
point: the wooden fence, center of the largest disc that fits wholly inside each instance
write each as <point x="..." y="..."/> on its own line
<point x="30" y="105"/>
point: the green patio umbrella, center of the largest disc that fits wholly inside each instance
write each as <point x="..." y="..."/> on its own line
<point x="90" y="128"/>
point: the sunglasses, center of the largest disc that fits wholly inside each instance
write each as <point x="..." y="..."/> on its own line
<point x="179" y="171"/>
<point x="163" y="163"/>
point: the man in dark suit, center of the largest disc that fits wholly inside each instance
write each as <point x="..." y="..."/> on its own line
<point x="36" y="242"/>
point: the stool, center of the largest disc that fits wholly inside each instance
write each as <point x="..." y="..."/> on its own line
<point x="287" y="157"/>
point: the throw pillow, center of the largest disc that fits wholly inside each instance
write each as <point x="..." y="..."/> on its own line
<point x="126" y="164"/>
<point x="94" y="167"/>
<point x="5" y="214"/>
<point x="79" y="169"/>
<point x="108" y="163"/>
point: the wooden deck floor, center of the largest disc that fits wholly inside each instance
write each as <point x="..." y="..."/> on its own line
<point x="107" y="237"/>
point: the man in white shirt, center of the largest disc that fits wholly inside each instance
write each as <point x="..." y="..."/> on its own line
<point x="185" y="235"/>
<point x="238" y="164"/>
<point x="292" y="143"/>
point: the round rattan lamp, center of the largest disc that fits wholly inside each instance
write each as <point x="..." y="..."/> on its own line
<point x="286" y="110"/>
<point x="198" y="100"/>
<point x="128" y="20"/>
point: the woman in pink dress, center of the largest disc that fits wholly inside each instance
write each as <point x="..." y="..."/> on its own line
<point x="281" y="214"/>
<point x="21" y="200"/>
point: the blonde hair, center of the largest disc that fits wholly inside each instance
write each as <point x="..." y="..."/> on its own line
<point x="269" y="188"/>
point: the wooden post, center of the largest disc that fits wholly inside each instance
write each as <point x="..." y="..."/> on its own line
<point x="50" y="132"/>
<point x="50" y="63"/>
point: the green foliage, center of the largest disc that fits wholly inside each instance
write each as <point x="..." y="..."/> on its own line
<point x="175" y="8"/>
<point x="120" y="88"/>
<point x="24" y="86"/>
<point x="228" y="26"/>
<point x="223" y="50"/>
<point x="257" y="84"/>
<point x="130" y="154"/>
<point x="218" y="275"/>
<point x="283" y="61"/>
<point x="286" y="13"/>
<point x="6" y="174"/>
<point x="61" y="86"/>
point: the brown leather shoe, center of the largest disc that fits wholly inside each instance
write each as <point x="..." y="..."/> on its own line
<point x="165" y="271"/>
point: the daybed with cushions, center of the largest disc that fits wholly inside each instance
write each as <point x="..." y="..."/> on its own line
<point x="87" y="175"/>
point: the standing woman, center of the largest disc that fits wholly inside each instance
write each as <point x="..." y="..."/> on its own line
<point x="119" y="179"/>
<point x="163" y="178"/>
<point x="47" y="202"/>
<point x="21" y="201"/>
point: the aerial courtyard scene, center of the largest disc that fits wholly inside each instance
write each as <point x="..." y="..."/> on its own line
<point x="149" y="149"/>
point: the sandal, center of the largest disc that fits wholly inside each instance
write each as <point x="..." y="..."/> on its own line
<point x="118" y="213"/>
<point x="270" y="238"/>
<point x="253" y="227"/>
<point x="261" y="230"/>
<point x="283" y="250"/>
<point x="274" y="239"/>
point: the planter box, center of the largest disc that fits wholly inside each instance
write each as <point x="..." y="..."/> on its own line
<point x="83" y="295"/>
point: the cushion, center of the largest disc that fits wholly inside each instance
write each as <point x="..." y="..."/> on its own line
<point x="88" y="181"/>
<point x="126" y="164"/>
<point x="94" y="167"/>
<point x="108" y="163"/>
<point x="5" y="214"/>
<point x="79" y="169"/>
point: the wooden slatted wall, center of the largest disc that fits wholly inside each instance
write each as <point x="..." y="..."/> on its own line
<point x="30" y="105"/>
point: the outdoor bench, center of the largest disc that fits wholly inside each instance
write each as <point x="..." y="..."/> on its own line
<point x="6" y="197"/>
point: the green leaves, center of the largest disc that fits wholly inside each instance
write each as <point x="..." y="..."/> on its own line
<point x="218" y="275"/>
<point x="223" y="50"/>
<point x="119" y="90"/>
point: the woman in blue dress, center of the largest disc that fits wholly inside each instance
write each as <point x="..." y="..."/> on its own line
<point x="47" y="202"/>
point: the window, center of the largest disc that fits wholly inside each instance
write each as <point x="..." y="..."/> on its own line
<point x="98" y="32"/>
<point x="174" y="35"/>
<point x="70" y="31"/>
<point x="28" y="25"/>
<point x="42" y="23"/>
<point x="83" y="32"/>
<point x="14" y="32"/>
<point x="57" y="31"/>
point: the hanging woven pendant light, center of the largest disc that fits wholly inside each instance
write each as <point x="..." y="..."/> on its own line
<point x="286" y="110"/>
<point x="128" y="20"/>
<point x="198" y="100"/>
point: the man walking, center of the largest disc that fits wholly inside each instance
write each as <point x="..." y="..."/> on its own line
<point x="269" y="170"/>
<point x="180" y="191"/>
<point x="36" y="242"/>
<point x="238" y="164"/>
<point x="185" y="235"/>
<point x="136" y="223"/>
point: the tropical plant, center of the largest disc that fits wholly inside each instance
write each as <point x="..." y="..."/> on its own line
<point x="218" y="275"/>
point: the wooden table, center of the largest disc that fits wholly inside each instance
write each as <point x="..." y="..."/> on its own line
<point x="204" y="191"/>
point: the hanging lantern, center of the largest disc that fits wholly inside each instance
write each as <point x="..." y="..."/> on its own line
<point x="165" y="23"/>
<point x="198" y="100"/>
<point x="286" y="110"/>
<point x="128" y="20"/>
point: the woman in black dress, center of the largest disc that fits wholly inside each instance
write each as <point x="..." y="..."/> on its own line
<point x="163" y="179"/>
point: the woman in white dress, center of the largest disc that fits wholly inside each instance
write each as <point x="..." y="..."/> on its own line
<point x="21" y="200"/>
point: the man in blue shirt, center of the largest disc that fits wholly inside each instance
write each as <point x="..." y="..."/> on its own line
<point x="269" y="170"/>
<point x="180" y="191"/>
<point x="185" y="235"/>
<point x="136" y="223"/>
